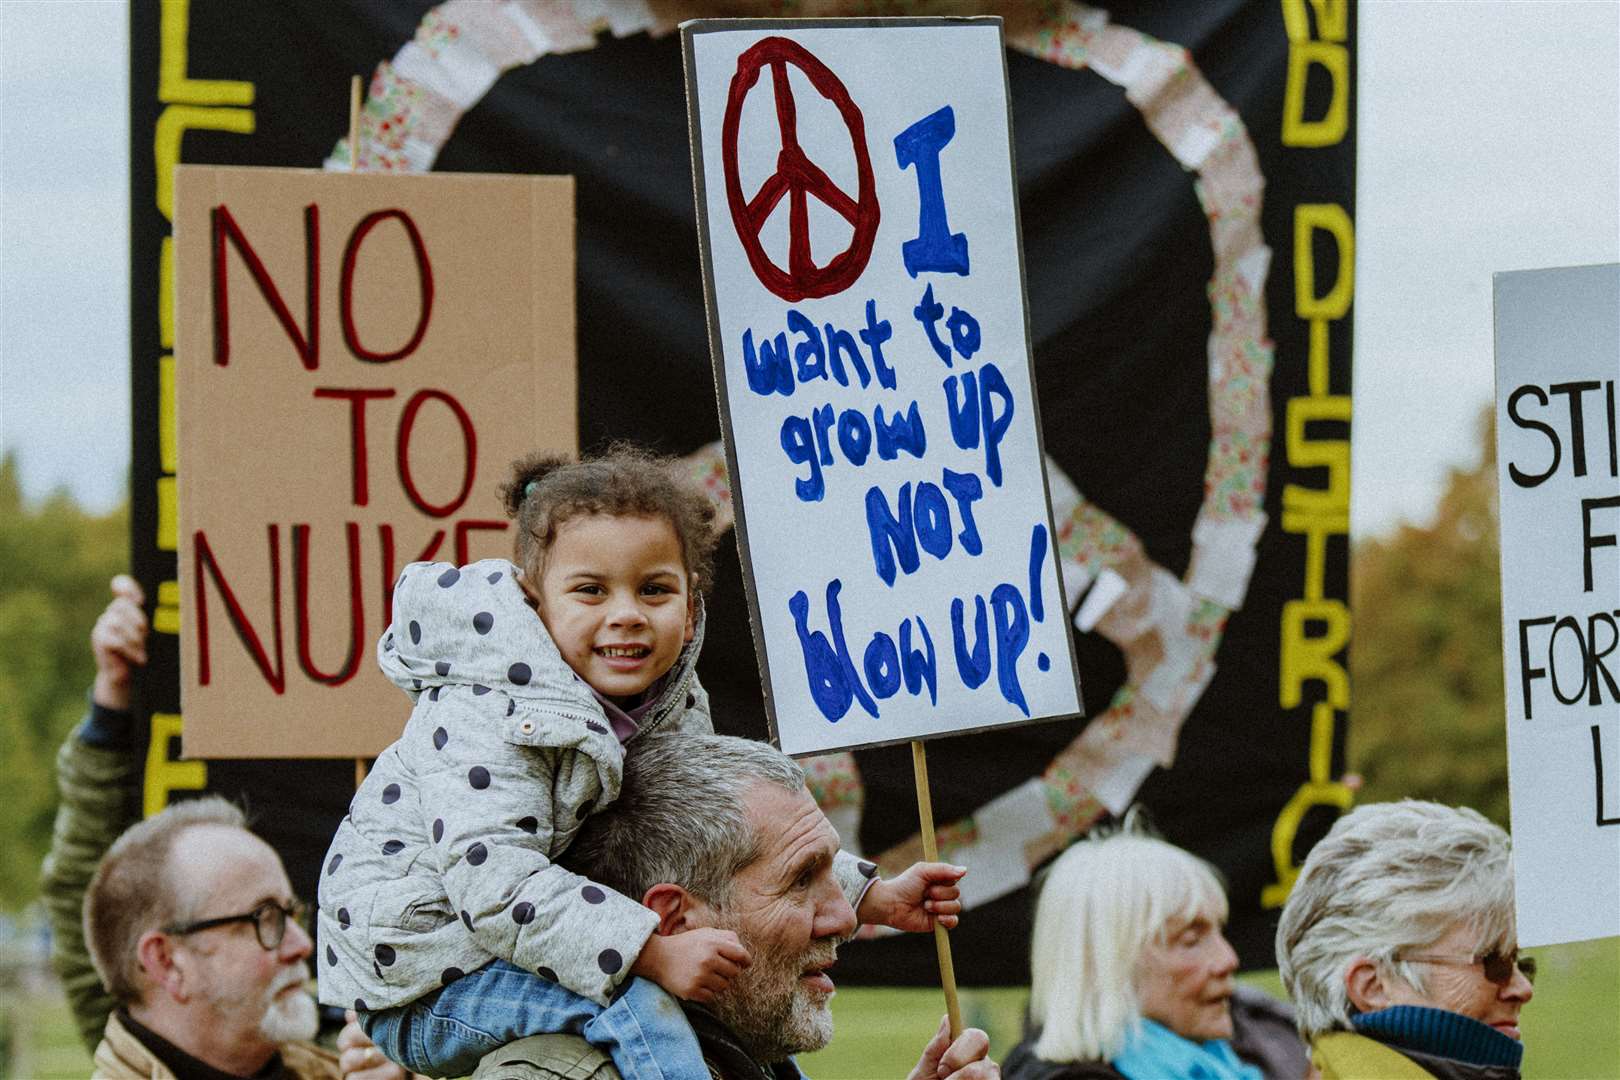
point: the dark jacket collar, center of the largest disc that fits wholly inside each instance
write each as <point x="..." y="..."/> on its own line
<point x="724" y="1054"/>
<point x="182" y="1064"/>
<point x="1442" y="1034"/>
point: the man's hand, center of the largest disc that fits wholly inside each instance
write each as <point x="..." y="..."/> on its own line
<point x="968" y="1058"/>
<point x="359" y="1058"/>
<point x="694" y="964"/>
<point x="119" y="644"/>
<point x="912" y="901"/>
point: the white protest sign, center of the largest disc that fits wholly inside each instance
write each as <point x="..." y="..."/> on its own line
<point x="859" y="227"/>
<point x="1557" y="363"/>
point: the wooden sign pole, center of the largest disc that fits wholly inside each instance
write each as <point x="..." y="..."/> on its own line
<point x="354" y="166"/>
<point x="942" y="941"/>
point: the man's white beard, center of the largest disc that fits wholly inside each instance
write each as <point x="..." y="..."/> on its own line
<point x="291" y="1018"/>
<point x="770" y="1011"/>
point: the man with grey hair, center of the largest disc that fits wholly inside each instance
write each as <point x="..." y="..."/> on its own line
<point x="1399" y="947"/>
<point x="174" y="937"/>
<point x="716" y="831"/>
<point x="194" y="930"/>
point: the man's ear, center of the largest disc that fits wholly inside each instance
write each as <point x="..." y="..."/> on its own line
<point x="1364" y="985"/>
<point x="677" y="909"/>
<point x="163" y="968"/>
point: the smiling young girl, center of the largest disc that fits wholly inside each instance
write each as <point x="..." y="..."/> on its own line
<point x="444" y="919"/>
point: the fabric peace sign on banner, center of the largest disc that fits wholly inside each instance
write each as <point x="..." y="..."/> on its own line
<point x="798" y="178"/>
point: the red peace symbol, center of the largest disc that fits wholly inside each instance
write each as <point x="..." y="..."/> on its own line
<point x="798" y="177"/>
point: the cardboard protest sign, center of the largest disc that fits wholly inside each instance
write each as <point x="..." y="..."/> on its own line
<point x="868" y="327"/>
<point x="1557" y="365"/>
<point x="357" y="359"/>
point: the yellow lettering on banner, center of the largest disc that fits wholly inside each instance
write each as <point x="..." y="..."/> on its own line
<point x="1316" y="527"/>
<point x="1317" y="513"/>
<point x="1306" y="656"/>
<point x="1318" y="791"/>
<point x="1308" y="217"/>
<point x="168" y="443"/>
<point x="1331" y="128"/>
<point x="174" y="122"/>
<point x="1332" y="20"/>
<point x="166" y="293"/>
<point x="166" y="616"/>
<point x="168" y="518"/>
<point x="1305" y="453"/>
<point x="174" y="85"/>
<point x="163" y="773"/>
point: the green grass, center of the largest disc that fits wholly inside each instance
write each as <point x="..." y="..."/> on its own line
<point x="1571" y="1029"/>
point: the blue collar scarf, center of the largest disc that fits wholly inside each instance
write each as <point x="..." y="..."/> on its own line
<point x="1154" y="1052"/>
<point x="1442" y="1033"/>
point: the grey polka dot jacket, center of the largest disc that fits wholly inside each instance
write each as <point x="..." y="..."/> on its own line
<point x="445" y="860"/>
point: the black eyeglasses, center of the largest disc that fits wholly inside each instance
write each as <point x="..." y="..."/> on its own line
<point x="1498" y="966"/>
<point x="269" y="921"/>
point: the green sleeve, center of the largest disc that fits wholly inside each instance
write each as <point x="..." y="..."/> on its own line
<point x="99" y="791"/>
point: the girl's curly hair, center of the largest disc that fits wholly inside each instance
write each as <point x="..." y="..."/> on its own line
<point x="548" y="489"/>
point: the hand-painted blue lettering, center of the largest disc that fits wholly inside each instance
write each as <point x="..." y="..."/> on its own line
<point x="828" y="687"/>
<point x="1037" y="559"/>
<point x="882" y="665"/>
<point x="964" y="330"/>
<point x="810" y="355"/>
<point x="929" y="312"/>
<point x="768" y="371"/>
<point x="1012" y="634"/>
<point x="854" y="436"/>
<point x="964" y="416"/>
<point x="799" y="444"/>
<point x="822" y="418"/>
<point x="973" y="665"/>
<point x="828" y="666"/>
<point x="919" y="667"/>
<point x="966" y="488"/>
<point x="931" y="517"/>
<point x="935" y="248"/>
<point x="839" y="344"/>
<point x="892" y="537"/>
<point x="991" y="384"/>
<point x="875" y="334"/>
<point x="901" y="433"/>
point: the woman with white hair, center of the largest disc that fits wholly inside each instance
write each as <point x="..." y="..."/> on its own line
<point x="1132" y="977"/>
<point x="1399" y="947"/>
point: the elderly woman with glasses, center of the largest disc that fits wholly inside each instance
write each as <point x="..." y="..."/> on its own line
<point x="1132" y="977"/>
<point x="1398" y="945"/>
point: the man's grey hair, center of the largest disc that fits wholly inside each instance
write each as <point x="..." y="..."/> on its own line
<point x="679" y="818"/>
<point x="133" y="892"/>
<point x="1390" y="878"/>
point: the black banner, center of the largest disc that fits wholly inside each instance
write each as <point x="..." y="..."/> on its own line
<point x="1186" y="180"/>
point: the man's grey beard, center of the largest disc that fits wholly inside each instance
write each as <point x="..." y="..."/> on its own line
<point x="292" y="1018"/>
<point x="772" y="1014"/>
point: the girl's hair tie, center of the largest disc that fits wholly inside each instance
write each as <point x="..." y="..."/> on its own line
<point x="528" y="489"/>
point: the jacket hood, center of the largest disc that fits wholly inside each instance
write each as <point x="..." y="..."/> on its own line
<point x="473" y="626"/>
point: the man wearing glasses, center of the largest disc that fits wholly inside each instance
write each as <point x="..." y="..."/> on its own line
<point x="181" y="951"/>
<point x="192" y="927"/>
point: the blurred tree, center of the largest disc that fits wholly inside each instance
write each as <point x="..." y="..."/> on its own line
<point x="1427" y="715"/>
<point x="55" y="562"/>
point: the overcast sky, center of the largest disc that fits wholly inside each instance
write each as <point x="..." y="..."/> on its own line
<point x="1488" y="139"/>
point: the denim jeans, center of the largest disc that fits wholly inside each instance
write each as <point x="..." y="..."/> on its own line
<point x="446" y="1032"/>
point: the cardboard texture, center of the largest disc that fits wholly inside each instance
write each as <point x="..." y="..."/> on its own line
<point x="869" y="331"/>
<point x="323" y="447"/>
<point x="1557" y="385"/>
